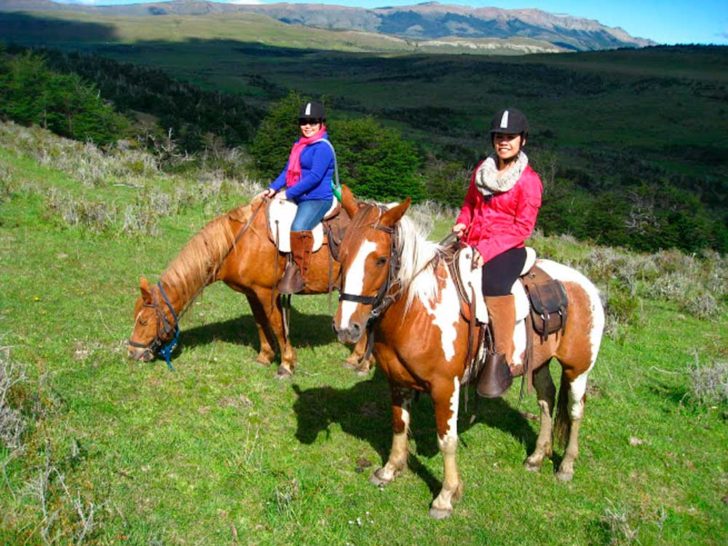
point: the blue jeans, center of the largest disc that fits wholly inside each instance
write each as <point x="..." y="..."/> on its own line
<point x="310" y="213"/>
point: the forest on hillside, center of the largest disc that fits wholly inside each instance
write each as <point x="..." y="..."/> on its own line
<point x="608" y="194"/>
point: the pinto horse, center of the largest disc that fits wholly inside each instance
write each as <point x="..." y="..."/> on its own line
<point x="234" y="248"/>
<point x="399" y="284"/>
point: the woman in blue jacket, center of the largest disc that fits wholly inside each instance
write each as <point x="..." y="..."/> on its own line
<point x="307" y="181"/>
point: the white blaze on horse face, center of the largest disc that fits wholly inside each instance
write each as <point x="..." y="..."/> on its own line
<point x="445" y="315"/>
<point x="354" y="281"/>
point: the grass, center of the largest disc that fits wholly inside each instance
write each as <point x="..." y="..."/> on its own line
<point x="221" y="452"/>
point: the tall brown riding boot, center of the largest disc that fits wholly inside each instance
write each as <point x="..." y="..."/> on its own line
<point x="496" y="375"/>
<point x="294" y="278"/>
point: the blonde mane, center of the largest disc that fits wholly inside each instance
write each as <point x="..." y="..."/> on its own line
<point x="417" y="262"/>
<point x="197" y="263"/>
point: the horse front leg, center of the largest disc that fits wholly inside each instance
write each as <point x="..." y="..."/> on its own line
<point x="546" y="393"/>
<point x="265" y="336"/>
<point x="397" y="462"/>
<point x="446" y="399"/>
<point x="357" y="360"/>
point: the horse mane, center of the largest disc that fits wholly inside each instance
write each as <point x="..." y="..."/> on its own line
<point x="198" y="261"/>
<point x="418" y="260"/>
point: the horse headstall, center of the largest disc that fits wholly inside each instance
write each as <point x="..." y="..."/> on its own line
<point x="384" y="297"/>
<point x="165" y="329"/>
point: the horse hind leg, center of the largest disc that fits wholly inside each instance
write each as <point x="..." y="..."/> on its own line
<point x="546" y="393"/>
<point x="570" y="411"/>
<point x="269" y="319"/>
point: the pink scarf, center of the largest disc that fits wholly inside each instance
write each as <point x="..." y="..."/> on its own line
<point x="293" y="174"/>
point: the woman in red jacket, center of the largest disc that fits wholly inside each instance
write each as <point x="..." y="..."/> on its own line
<point x="498" y="215"/>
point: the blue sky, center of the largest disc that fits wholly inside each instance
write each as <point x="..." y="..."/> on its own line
<point x="664" y="21"/>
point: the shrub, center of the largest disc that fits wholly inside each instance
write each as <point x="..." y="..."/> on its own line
<point x="12" y="423"/>
<point x="709" y="383"/>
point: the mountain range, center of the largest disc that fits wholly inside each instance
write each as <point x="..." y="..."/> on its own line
<point x="421" y="23"/>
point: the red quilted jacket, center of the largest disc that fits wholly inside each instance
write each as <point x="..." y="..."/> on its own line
<point x="505" y="220"/>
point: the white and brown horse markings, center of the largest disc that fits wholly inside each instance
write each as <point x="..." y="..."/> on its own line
<point x="420" y="339"/>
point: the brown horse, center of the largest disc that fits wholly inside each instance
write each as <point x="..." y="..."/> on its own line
<point x="234" y="248"/>
<point x="398" y="282"/>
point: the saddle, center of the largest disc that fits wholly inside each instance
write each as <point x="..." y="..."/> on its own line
<point x="280" y="213"/>
<point x="541" y="306"/>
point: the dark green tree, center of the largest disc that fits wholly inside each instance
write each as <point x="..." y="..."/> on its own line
<point x="62" y="103"/>
<point x="275" y="136"/>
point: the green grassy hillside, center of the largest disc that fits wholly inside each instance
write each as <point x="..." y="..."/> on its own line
<point x="95" y="449"/>
<point x="639" y="133"/>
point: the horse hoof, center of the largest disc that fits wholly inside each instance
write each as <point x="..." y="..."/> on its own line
<point x="283" y="373"/>
<point x="531" y="467"/>
<point x="564" y="476"/>
<point x="377" y="480"/>
<point x="439" y="513"/>
<point x="263" y="361"/>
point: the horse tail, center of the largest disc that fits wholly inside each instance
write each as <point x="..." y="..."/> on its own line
<point x="562" y="420"/>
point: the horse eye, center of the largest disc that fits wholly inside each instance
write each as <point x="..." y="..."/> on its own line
<point x="381" y="261"/>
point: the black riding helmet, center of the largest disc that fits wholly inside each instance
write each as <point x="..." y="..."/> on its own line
<point x="312" y="111"/>
<point x="510" y="122"/>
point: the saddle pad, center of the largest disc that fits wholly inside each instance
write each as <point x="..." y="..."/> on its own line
<point x="280" y="217"/>
<point x="473" y="278"/>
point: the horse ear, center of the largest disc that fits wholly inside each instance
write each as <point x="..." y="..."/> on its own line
<point x="348" y="201"/>
<point x="393" y="215"/>
<point x="146" y="291"/>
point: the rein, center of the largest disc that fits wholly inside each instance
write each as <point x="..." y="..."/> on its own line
<point x="163" y="323"/>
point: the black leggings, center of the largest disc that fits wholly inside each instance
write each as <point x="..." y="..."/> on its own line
<point x="501" y="272"/>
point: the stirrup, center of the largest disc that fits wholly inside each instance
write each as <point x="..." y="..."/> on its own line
<point x="496" y="376"/>
<point x="292" y="281"/>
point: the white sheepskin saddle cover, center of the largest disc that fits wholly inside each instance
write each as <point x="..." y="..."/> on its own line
<point x="471" y="280"/>
<point x="280" y="217"/>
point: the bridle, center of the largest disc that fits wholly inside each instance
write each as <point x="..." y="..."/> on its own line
<point x="383" y="298"/>
<point x="165" y="329"/>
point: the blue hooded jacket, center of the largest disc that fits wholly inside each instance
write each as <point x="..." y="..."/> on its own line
<point x="317" y="171"/>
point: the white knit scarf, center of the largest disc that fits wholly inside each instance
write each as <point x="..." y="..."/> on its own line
<point x="489" y="181"/>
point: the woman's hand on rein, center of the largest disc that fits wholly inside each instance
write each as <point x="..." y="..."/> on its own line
<point x="268" y="193"/>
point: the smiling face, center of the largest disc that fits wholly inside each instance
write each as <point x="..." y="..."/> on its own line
<point x="507" y="146"/>
<point x="309" y="127"/>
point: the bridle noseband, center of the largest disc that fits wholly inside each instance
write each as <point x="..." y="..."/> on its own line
<point x="167" y="329"/>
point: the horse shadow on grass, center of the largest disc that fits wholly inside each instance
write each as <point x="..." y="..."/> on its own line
<point x="364" y="412"/>
<point x="306" y="331"/>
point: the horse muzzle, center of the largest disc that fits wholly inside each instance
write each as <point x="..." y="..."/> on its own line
<point x="351" y="334"/>
<point x="145" y="354"/>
